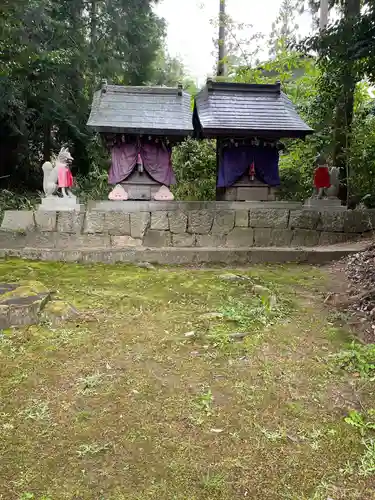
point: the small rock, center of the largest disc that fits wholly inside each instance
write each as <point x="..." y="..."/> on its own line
<point x="273" y="302"/>
<point x="189" y="335"/>
<point x="232" y="277"/>
<point x="212" y="315"/>
<point x="146" y="265"/>
<point x="239" y="335"/>
<point x="259" y="289"/>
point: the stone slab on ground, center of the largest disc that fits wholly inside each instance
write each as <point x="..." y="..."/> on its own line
<point x="18" y="220"/>
<point x="189" y="256"/>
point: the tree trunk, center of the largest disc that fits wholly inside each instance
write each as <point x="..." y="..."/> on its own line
<point x="221" y="63"/>
<point x="344" y="108"/>
<point x="93" y="22"/>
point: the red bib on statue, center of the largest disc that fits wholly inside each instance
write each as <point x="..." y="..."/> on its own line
<point x="322" y="178"/>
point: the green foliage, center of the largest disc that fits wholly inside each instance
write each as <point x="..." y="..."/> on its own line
<point x="195" y="167"/>
<point x="367" y="462"/>
<point x="52" y="56"/>
<point x="365" y="423"/>
<point x="357" y="358"/>
<point x="362" y="422"/>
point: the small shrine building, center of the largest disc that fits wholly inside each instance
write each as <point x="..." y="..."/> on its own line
<point x="140" y="126"/>
<point x="248" y="121"/>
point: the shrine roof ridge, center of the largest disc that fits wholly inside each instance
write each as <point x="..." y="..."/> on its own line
<point x="247" y="108"/>
<point x="135" y="109"/>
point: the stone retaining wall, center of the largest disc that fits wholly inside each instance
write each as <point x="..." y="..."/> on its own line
<point x="183" y="225"/>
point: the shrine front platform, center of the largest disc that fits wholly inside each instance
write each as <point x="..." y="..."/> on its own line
<point x="185" y="232"/>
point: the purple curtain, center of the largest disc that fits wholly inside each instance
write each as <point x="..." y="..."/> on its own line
<point x="157" y="162"/>
<point x="156" y="159"/>
<point x="124" y="159"/>
<point x="236" y="161"/>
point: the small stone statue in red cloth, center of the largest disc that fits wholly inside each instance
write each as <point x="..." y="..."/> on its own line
<point x="322" y="178"/>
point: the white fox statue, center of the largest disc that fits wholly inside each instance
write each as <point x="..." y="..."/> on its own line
<point x="58" y="175"/>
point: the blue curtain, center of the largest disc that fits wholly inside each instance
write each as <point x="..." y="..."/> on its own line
<point x="236" y="161"/>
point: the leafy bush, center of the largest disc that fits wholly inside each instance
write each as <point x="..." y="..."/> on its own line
<point x="358" y="359"/>
<point x="194" y="163"/>
<point x="17" y="201"/>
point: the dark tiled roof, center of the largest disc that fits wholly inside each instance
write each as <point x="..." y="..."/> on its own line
<point x="234" y="108"/>
<point x="157" y="110"/>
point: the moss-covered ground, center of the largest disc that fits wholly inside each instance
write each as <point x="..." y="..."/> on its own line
<point x="146" y="395"/>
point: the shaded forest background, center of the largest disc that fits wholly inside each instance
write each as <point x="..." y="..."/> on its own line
<point x="54" y="54"/>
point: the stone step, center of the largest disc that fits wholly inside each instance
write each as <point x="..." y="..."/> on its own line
<point x="188" y="256"/>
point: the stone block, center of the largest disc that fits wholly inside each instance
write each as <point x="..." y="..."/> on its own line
<point x="159" y="220"/>
<point x="332" y="221"/>
<point x="117" y="223"/>
<point x="138" y="192"/>
<point x="240" y="237"/>
<point x="230" y="194"/>
<point x="57" y="204"/>
<point x="242" y="218"/>
<point x="94" y="222"/>
<point x="46" y="221"/>
<point x="139" y="222"/>
<point x="154" y="238"/>
<point x="183" y="240"/>
<point x="371" y="215"/>
<point x="259" y="193"/>
<point x="223" y="222"/>
<point x="303" y="219"/>
<point x="357" y="221"/>
<point x="328" y="238"/>
<point x="22" y="315"/>
<point x="281" y="237"/>
<point x="40" y="240"/>
<point x="18" y="220"/>
<point x="4" y="317"/>
<point x="77" y="241"/>
<point x="269" y="217"/>
<point x="210" y="240"/>
<point x="305" y="238"/>
<point x="125" y="241"/>
<point x="200" y="221"/>
<point x="177" y="222"/>
<point x="70" y="222"/>
<point x="262" y="236"/>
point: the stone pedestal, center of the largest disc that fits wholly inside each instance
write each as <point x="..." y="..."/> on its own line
<point x="324" y="205"/>
<point x="247" y="190"/>
<point x="140" y="186"/>
<point x="57" y="204"/>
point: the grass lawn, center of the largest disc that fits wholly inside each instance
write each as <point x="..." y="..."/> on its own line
<point x="123" y="405"/>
